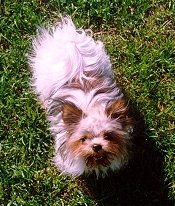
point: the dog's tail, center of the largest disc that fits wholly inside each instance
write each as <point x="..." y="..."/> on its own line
<point x="63" y="54"/>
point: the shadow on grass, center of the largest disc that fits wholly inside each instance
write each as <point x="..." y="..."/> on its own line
<point x="140" y="183"/>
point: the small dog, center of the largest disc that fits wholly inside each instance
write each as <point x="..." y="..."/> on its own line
<point x="87" y="111"/>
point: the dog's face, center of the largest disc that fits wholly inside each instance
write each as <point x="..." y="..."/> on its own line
<point x="99" y="135"/>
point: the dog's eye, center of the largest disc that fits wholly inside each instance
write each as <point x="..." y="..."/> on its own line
<point x="109" y="136"/>
<point x="83" y="139"/>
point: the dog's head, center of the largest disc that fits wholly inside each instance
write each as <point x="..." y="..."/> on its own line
<point x="100" y="135"/>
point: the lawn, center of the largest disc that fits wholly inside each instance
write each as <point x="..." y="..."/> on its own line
<point x="139" y="35"/>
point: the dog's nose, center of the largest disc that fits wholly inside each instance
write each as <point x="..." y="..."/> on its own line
<point x="96" y="147"/>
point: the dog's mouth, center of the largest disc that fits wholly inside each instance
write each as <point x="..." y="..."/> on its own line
<point x="97" y="160"/>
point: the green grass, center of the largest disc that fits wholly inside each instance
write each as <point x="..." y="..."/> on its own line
<point x="140" y="38"/>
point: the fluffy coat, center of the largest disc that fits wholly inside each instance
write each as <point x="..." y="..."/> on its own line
<point x="73" y="79"/>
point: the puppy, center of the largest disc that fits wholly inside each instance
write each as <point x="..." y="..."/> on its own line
<point x="86" y="109"/>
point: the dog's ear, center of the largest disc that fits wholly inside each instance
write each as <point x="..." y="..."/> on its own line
<point x="71" y="114"/>
<point x="117" y="108"/>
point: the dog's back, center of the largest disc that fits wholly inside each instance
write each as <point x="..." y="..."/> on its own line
<point x="64" y="53"/>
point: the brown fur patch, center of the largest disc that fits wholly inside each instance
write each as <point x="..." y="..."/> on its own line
<point x="117" y="146"/>
<point x="76" y="148"/>
<point x="71" y="114"/>
<point x="87" y="85"/>
<point x="118" y="108"/>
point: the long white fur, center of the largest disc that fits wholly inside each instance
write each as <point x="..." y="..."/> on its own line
<point x="61" y="55"/>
